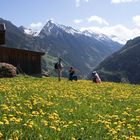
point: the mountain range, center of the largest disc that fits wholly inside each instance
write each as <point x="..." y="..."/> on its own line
<point x="123" y="65"/>
<point x="83" y="50"/>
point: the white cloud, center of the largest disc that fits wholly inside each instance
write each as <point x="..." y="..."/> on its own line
<point x="79" y="1"/>
<point x="121" y="32"/>
<point x="36" y="26"/>
<point x="136" y="20"/>
<point x="122" y="1"/>
<point x="77" y="21"/>
<point x="97" y="19"/>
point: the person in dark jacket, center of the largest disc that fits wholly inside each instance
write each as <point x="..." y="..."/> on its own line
<point x="58" y="68"/>
<point x="72" y="75"/>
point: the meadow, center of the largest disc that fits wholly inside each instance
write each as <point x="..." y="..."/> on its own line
<point x="45" y="109"/>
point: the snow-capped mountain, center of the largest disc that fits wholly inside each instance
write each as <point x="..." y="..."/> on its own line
<point x="83" y="50"/>
<point x="50" y="26"/>
<point x="29" y="31"/>
<point x="98" y="36"/>
<point x="54" y="28"/>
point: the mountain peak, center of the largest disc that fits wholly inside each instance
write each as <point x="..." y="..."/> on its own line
<point x="49" y="28"/>
<point x="52" y="28"/>
<point x="50" y="21"/>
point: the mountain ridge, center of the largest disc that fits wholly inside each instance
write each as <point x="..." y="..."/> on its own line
<point x="123" y="65"/>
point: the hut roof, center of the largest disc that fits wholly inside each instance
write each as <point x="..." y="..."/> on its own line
<point x="23" y="50"/>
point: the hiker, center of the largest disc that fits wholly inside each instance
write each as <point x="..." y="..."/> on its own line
<point x="71" y="74"/>
<point x="95" y="77"/>
<point x="58" y="68"/>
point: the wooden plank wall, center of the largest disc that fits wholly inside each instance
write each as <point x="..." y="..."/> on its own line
<point x="29" y="62"/>
<point x="2" y="37"/>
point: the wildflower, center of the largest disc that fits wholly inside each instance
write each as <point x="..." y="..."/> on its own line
<point x="107" y="126"/>
<point x="6" y="122"/>
<point x="1" y="123"/>
<point x="71" y="110"/>
<point x="29" y="123"/>
<point x="73" y="138"/>
<point x="65" y="126"/>
<point x="126" y="113"/>
<point x="53" y="127"/>
<point x="58" y="129"/>
<point x="70" y="122"/>
<point x="18" y="120"/>
<point x="1" y="135"/>
<point x="138" y="110"/>
<point x="75" y="125"/>
<point x="82" y="128"/>
<point x="45" y="123"/>
<point x="129" y="126"/>
<point x="35" y="113"/>
<point x="115" y="123"/>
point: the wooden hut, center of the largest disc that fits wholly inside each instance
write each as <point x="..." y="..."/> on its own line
<point x="26" y="61"/>
<point x="2" y="33"/>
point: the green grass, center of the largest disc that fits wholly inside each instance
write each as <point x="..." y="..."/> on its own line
<point x="45" y="109"/>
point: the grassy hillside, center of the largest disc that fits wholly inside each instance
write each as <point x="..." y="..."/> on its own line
<point x="49" y="66"/>
<point x="45" y="109"/>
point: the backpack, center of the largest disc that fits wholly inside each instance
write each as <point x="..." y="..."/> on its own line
<point x="56" y="65"/>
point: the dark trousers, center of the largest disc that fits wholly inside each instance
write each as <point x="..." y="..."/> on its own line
<point x="71" y="77"/>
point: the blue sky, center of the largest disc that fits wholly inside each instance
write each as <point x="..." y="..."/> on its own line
<point x="111" y="17"/>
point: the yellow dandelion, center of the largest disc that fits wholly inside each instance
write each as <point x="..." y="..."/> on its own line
<point x="53" y="127"/>
<point x="1" y="123"/>
<point x="58" y="129"/>
<point x="82" y="129"/>
<point x="1" y="135"/>
<point x="73" y="138"/>
<point x="45" y="122"/>
<point x="126" y="113"/>
<point x="65" y="126"/>
<point x="6" y="122"/>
